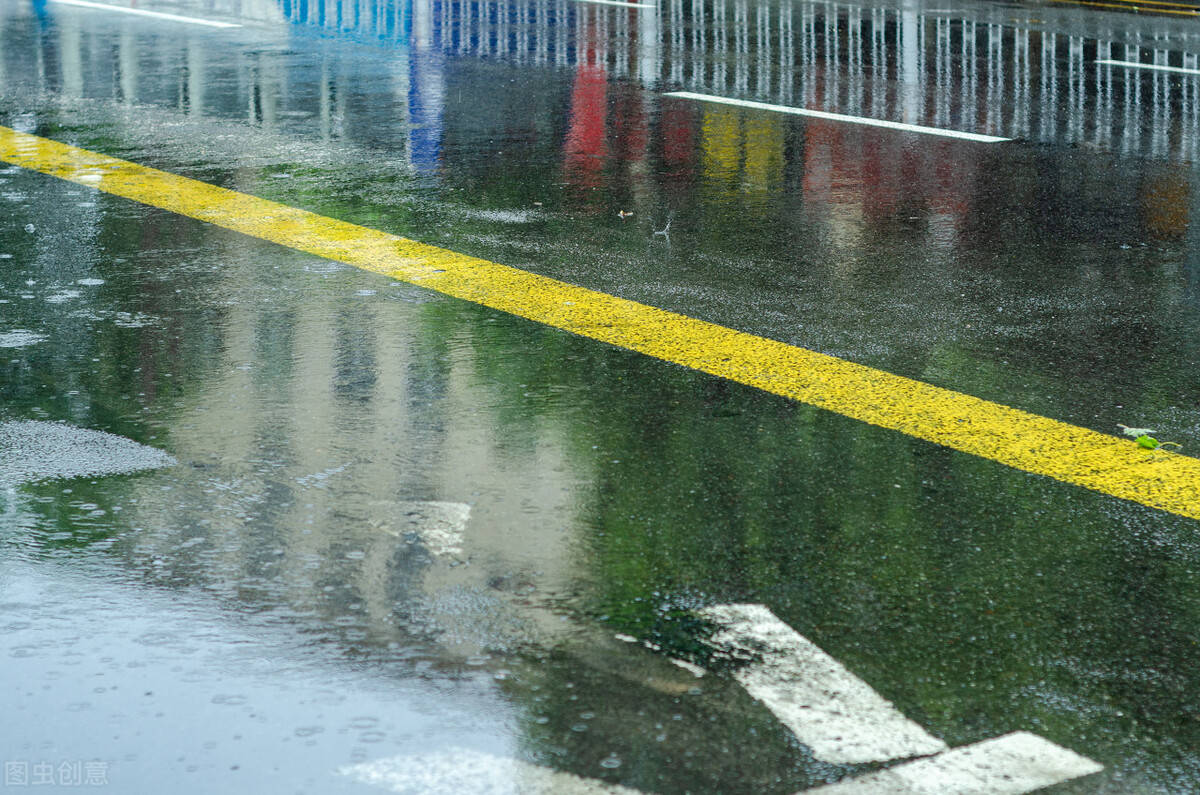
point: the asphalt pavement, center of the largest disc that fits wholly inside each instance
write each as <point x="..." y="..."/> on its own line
<point x="565" y="396"/>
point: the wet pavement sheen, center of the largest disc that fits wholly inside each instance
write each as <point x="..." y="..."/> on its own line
<point x="363" y="519"/>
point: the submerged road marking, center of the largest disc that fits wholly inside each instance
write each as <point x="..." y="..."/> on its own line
<point x="439" y="525"/>
<point x="1010" y="765"/>
<point x="142" y="13"/>
<point x="829" y="709"/>
<point x="820" y="114"/>
<point x="1155" y="67"/>
<point x="1098" y="461"/>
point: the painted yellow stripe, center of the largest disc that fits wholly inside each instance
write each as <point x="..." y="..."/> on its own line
<point x="1133" y="5"/>
<point x="1018" y="439"/>
<point x="1190" y="7"/>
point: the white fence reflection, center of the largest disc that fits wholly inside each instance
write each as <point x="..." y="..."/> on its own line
<point x="992" y="69"/>
<point x="992" y="74"/>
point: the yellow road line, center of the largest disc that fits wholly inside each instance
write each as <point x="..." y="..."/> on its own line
<point x="1018" y="439"/>
<point x="1134" y="5"/>
<point x="1184" y="6"/>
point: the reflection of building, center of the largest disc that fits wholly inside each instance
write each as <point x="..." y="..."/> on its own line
<point x="882" y="176"/>
<point x="586" y="147"/>
<point x="988" y="72"/>
<point x="426" y="93"/>
<point x="1166" y="201"/>
<point x="335" y="410"/>
<point x="983" y="72"/>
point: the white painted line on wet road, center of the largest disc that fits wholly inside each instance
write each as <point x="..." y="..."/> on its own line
<point x="1015" y="763"/>
<point x="692" y="668"/>
<point x="820" y="114"/>
<point x="439" y="525"/>
<point x="829" y="709"/>
<point x="143" y="13"/>
<point x="1154" y="67"/>
<point x="458" y="770"/>
<point x="618" y="3"/>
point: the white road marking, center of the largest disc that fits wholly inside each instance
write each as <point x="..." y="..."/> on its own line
<point x="20" y="338"/>
<point x="820" y="114"/>
<point x="828" y="708"/>
<point x="459" y="770"/>
<point x="1156" y="67"/>
<point x="439" y="525"/>
<point x="618" y="3"/>
<point x="152" y="14"/>
<point x="692" y="668"/>
<point x="1015" y="763"/>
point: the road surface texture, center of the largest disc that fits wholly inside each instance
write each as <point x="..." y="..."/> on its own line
<point x="578" y="397"/>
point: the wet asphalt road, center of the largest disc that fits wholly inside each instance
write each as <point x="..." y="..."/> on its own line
<point x="364" y="520"/>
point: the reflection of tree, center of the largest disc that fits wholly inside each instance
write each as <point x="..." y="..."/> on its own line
<point x="931" y="574"/>
<point x="700" y="737"/>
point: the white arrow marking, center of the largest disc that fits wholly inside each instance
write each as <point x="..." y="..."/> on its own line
<point x="1008" y="765"/>
<point x="828" y="708"/>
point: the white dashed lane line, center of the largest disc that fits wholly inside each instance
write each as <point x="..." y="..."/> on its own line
<point x="1153" y="67"/>
<point x="839" y="117"/>
<point x="618" y="3"/>
<point x="138" y="12"/>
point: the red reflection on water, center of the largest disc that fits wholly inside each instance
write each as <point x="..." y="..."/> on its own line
<point x="586" y="146"/>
